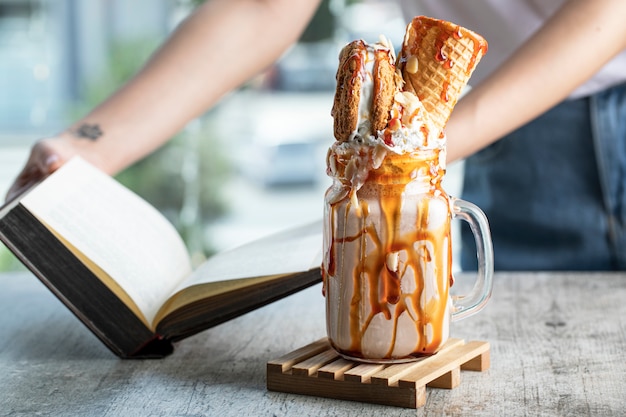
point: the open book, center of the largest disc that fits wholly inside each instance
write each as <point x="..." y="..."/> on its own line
<point x="123" y="270"/>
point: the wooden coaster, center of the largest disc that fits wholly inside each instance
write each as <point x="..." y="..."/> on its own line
<point x="317" y="370"/>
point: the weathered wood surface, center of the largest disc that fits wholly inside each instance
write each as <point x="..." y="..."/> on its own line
<point x="558" y="348"/>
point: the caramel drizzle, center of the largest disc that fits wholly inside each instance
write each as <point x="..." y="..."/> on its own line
<point x="372" y="275"/>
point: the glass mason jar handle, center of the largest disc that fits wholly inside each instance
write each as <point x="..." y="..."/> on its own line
<point x="475" y="300"/>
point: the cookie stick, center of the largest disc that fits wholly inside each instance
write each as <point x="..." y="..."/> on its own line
<point x="366" y="83"/>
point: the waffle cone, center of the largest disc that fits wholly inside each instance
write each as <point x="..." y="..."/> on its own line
<point x="446" y="57"/>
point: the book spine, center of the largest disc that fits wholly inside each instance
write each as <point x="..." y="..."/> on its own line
<point x="75" y="285"/>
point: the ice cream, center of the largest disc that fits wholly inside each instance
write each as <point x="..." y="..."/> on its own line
<point x="387" y="235"/>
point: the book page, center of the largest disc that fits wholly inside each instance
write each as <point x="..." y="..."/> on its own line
<point x="116" y="229"/>
<point x="291" y="251"/>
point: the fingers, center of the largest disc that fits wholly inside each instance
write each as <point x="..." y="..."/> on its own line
<point x="24" y="180"/>
<point x="43" y="161"/>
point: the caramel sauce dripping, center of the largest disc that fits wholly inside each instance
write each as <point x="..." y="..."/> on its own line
<point x="458" y="34"/>
<point x="445" y="87"/>
<point x="480" y="47"/>
<point x="371" y="272"/>
<point x="425" y="132"/>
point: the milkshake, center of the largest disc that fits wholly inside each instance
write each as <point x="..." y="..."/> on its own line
<point x="387" y="244"/>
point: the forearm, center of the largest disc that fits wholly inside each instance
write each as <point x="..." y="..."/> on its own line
<point x="577" y="41"/>
<point x="224" y="43"/>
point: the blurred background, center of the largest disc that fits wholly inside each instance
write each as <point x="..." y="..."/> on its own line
<point x="252" y="165"/>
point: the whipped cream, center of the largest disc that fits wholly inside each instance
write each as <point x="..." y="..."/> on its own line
<point x="410" y="129"/>
<point x="364" y="124"/>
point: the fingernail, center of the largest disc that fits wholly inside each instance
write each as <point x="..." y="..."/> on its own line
<point x="51" y="160"/>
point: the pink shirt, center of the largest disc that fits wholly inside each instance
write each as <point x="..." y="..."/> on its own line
<point x="506" y="24"/>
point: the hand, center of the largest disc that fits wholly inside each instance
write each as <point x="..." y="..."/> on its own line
<point x="46" y="156"/>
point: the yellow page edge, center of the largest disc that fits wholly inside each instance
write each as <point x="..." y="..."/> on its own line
<point x="105" y="278"/>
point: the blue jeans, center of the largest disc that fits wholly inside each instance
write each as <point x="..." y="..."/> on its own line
<point x="554" y="190"/>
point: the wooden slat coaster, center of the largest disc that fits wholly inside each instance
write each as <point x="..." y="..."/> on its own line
<point x="317" y="370"/>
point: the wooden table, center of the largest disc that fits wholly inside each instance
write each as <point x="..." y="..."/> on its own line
<point x="558" y="348"/>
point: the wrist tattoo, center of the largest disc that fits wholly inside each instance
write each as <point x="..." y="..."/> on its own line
<point x="88" y="131"/>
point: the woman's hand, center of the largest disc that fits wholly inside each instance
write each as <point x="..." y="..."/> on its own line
<point x="46" y="156"/>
